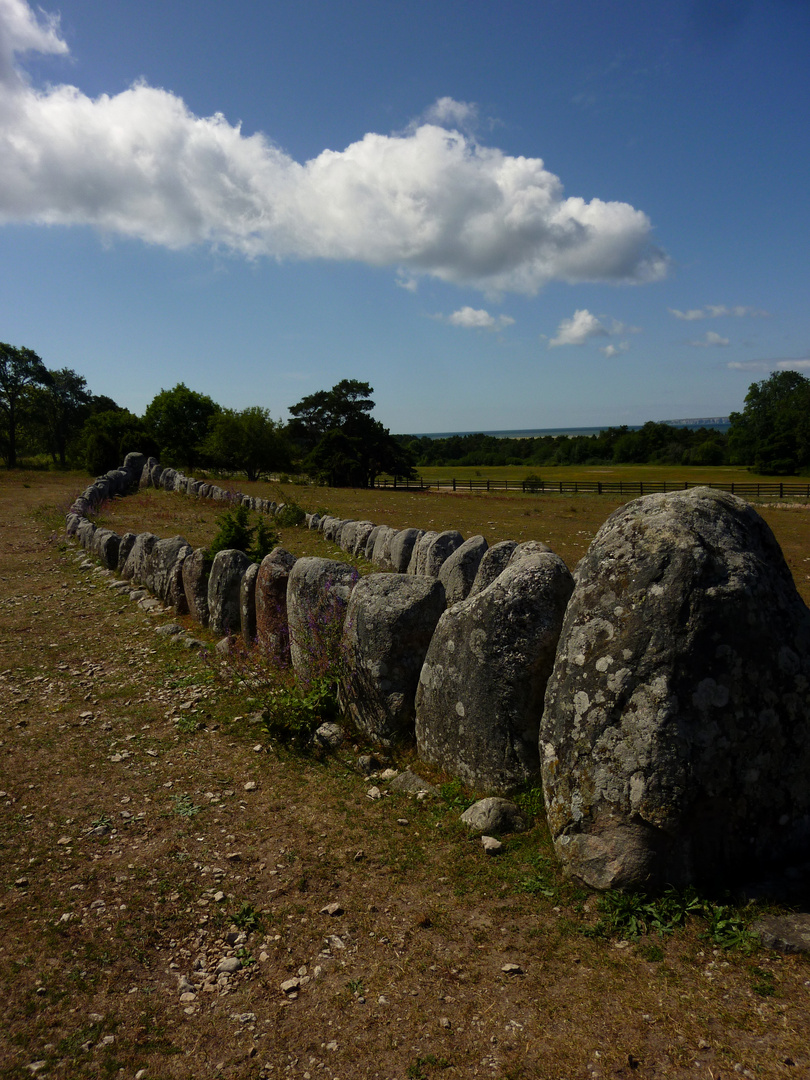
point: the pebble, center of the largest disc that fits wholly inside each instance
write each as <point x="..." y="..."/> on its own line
<point x="251" y="785"/>
<point x="374" y="793"/>
<point x="330" y="909"/>
<point x="229" y="965"/>
<point x="512" y="969"/>
<point x="291" y="986"/>
<point x="491" y="846"/>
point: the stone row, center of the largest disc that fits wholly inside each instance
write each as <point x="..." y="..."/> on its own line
<point x="662" y="696"/>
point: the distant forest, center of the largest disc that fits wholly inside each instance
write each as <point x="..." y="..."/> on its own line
<point x="657" y="444"/>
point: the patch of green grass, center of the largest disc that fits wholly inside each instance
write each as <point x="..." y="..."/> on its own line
<point x="184" y="806"/>
<point x="247" y="918"/>
<point x="417" y="1070"/>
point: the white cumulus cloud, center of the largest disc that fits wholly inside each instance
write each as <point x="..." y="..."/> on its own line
<point x="429" y="201"/>
<point x="711" y="340"/>
<point x="614" y="350"/>
<point x="478" y="319"/>
<point x="582" y="326"/>
<point x="578" y="329"/>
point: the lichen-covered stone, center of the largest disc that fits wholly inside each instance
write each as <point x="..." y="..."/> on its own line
<point x="402" y="548"/>
<point x="195" y="572"/>
<point x="457" y="573"/>
<point x="272" y="631"/>
<point x="134" y="569"/>
<point x="481" y="688"/>
<point x="494" y="562"/>
<point x="676" y="732"/>
<point x="318" y="593"/>
<point x="163" y="571"/>
<point x="416" y="565"/>
<point x="439" y="550"/>
<point x="247" y="603"/>
<point x="224" y="582"/>
<point x="381" y="555"/>
<point x="389" y="623"/>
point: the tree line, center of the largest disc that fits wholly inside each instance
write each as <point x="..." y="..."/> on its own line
<point x="332" y="436"/>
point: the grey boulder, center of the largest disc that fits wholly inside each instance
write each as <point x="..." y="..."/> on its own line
<point x="676" y="733"/>
<point x="318" y="592"/>
<point x="389" y="623"/>
<point x="481" y="689"/>
<point x="224" y="584"/>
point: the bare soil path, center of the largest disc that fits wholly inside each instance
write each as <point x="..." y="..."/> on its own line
<point x="148" y="833"/>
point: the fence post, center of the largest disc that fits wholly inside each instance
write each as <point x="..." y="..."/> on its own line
<point x="487" y="485"/>
<point x="780" y="490"/>
<point x="599" y="486"/>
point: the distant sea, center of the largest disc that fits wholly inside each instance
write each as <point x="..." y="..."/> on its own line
<point x="720" y="423"/>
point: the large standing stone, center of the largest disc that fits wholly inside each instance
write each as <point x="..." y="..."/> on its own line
<point x="381" y="556"/>
<point x="247" y="603"/>
<point x="134" y="569"/>
<point x="439" y="551"/>
<point x="106" y="544"/>
<point x="318" y="592"/>
<point x="457" y="573"/>
<point x="402" y="548"/>
<point x="676" y="733"/>
<point x="494" y="562"/>
<point x="481" y="689"/>
<point x="419" y="553"/>
<point x="224" y="584"/>
<point x="389" y="623"/>
<point x="164" y="571"/>
<point x="196" y="571"/>
<point x="124" y="548"/>
<point x="272" y="631"/>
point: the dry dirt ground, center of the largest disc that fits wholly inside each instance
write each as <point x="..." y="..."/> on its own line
<point x="149" y="832"/>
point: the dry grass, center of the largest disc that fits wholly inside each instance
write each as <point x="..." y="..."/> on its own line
<point x="125" y="814"/>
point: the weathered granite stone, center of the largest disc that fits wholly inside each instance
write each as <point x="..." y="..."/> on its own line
<point x="440" y="549"/>
<point x="164" y="571"/>
<point x="381" y="556"/>
<point x="389" y="623"/>
<point x="676" y="732"/>
<point x="224" y="583"/>
<point x="134" y="569"/>
<point x="155" y="475"/>
<point x="167" y="478"/>
<point x="528" y="548"/>
<point x="410" y="783"/>
<point x="457" y="573"/>
<point x="371" y="540"/>
<point x="272" y="631"/>
<point x="146" y="476"/>
<point x="85" y="531"/>
<point x="481" y="689"/>
<point x="493" y="563"/>
<point x="134" y="464"/>
<point x="494" y="815"/>
<point x="196" y="571"/>
<point x="362" y="532"/>
<point x="402" y="549"/>
<point x="318" y="592"/>
<point x="106" y="544"/>
<point x="416" y="565"/>
<point x="785" y="933"/>
<point x="125" y="546"/>
<point x="345" y="532"/>
<point x="121" y="481"/>
<point x="72" y="521"/>
<point x="247" y="603"/>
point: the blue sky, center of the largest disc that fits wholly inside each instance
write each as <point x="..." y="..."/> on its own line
<point x="502" y="216"/>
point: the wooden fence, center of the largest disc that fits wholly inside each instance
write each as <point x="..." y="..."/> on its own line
<point x="746" y="489"/>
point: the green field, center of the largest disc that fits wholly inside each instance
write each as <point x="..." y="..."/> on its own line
<point x="695" y="474"/>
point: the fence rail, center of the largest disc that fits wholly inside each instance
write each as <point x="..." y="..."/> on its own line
<point x="745" y="489"/>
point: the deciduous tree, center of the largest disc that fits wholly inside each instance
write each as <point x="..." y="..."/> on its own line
<point x="20" y="369"/>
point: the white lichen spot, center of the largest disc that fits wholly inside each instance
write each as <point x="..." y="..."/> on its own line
<point x="638" y="787"/>
<point x="709" y="693"/>
<point x="603" y="663"/>
<point x="460" y="709"/>
<point x="581" y="702"/>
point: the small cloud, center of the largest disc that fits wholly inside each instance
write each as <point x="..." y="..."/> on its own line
<point x="711" y="340"/>
<point x="614" y="350"/>
<point x="447" y="112"/>
<point x="718" y="311"/>
<point x="478" y="319"/>
<point x="793" y="365"/>
<point x="405" y="281"/>
<point x="578" y="329"/>
<point x="747" y="365"/>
